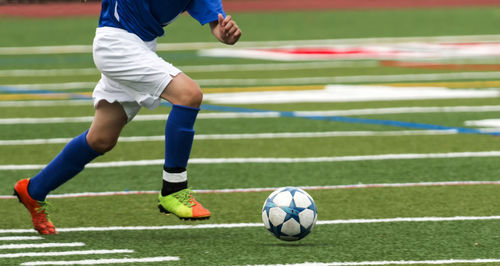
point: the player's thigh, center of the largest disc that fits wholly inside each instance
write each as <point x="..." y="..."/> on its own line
<point x="183" y="90"/>
<point x="131" y="69"/>
<point x="109" y="120"/>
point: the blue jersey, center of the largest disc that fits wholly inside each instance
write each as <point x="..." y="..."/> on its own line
<point x="146" y="18"/>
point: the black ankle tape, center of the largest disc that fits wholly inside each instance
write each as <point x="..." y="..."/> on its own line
<point x="169" y="188"/>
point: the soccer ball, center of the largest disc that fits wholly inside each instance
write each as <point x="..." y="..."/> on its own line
<point x="289" y="213"/>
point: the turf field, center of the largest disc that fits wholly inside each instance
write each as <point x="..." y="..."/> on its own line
<point x="397" y="179"/>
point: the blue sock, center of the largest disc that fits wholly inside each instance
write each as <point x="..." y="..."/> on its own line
<point x="179" y="135"/>
<point x="69" y="162"/>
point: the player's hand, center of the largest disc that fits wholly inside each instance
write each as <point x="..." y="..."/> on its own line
<point x="227" y="31"/>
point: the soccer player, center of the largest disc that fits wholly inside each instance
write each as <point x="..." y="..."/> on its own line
<point x="133" y="76"/>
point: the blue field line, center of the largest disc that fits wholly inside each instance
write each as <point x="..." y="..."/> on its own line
<point x="4" y="89"/>
<point x="71" y="96"/>
<point x="400" y="124"/>
<point x="354" y="120"/>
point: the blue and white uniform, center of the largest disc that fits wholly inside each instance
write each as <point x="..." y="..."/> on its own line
<point x="124" y="48"/>
<point x="146" y="18"/>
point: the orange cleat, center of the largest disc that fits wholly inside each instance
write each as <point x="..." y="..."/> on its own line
<point x="37" y="209"/>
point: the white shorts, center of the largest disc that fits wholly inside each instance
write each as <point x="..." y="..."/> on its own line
<point x="131" y="71"/>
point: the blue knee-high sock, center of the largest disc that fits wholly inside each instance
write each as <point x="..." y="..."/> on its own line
<point x="69" y="162"/>
<point x="179" y="135"/>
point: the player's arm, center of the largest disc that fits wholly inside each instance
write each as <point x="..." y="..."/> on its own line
<point x="225" y="30"/>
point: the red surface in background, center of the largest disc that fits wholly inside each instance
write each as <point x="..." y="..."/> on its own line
<point x="93" y="8"/>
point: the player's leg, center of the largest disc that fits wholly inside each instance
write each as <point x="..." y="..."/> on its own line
<point x="101" y="137"/>
<point x="175" y="197"/>
<point x="185" y="96"/>
<point x="109" y="120"/>
<point x="134" y="73"/>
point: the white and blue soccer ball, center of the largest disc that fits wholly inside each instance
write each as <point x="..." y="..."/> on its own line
<point x="289" y="213"/>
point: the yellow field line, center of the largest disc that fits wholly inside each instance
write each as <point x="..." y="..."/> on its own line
<point x="446" y="84"/>
<point x="55" y="96"/>
<point x="14" y="97"/>
<point x="59" y="96"/>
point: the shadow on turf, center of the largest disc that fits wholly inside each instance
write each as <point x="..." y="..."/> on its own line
<point x="294" y="244"/>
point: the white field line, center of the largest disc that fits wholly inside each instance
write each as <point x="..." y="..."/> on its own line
<point x="66" y="253"/>
<point x="399" y="262"/>
<point x="195" y="69"/>
<point x="19" y="238"/>
<point x="41" y="245"/>
<point x="159" y="117"/>
<point x="350" y="79"/>
<point x="48" y="72"/>
<point x="49" y="120"/>
<point x="62" y="49"/>
<point x="278" y="66"/>
<point x="56" y="49"/>
<point x="354" y="186"/>
<point x="268" y="189"/>
<point x="269" y="114"/>
<point x="288" y="81"/>
<point x="51" y="86"/>
<point x="379" y="157"/>
<point x="45" y="103"/>
<point x="246" y="225"/>
<point x="401" y="110"/>
<point x="282" y="135"/>
<point x="103" y="261"/>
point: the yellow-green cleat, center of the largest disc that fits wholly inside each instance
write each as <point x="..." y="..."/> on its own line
<point x="183" y="205"/>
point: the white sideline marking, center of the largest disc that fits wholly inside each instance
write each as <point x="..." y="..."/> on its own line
<point x="18" y="238"/>
<point x="401" y="110"/>
<point x="46" y="103"/>
<point x="41" y="245"/>
<point x="103" y="261"/>
<point x="50" y="120"/>
<point x="404" y="156"/>
<point x="247" y="190"/>
<point x="366" y="111"/>
<point x="248" y="136"/>
<point x="278" y="66"/>
<point x="412" y="219"/>
<point x="244" y="225"/>
<point x="56" y="49"/>
<point x="269" y="114"/>
<point x="194" y="69"/>
<point x="288" y="81"/>
<point x="52" y="86"/>
<point x="34" y="141"/>
<point x="380" y="185"/>
<point x="491" y="123"/>
<point x="352" y="93"/>
<point x="158" y="117"/>
<point x="350" y="79"/>
<point x="62" y="49"/>
<point x="66" y="253"/>
<point x="47" y="72"/>
<point x="400" y="262"/>
<point x="390" y="51"/>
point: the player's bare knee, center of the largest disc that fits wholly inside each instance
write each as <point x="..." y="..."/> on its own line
<point x="102" y="144"/>
<point x="193" y="97"/>
<point x="182" y="90"/>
